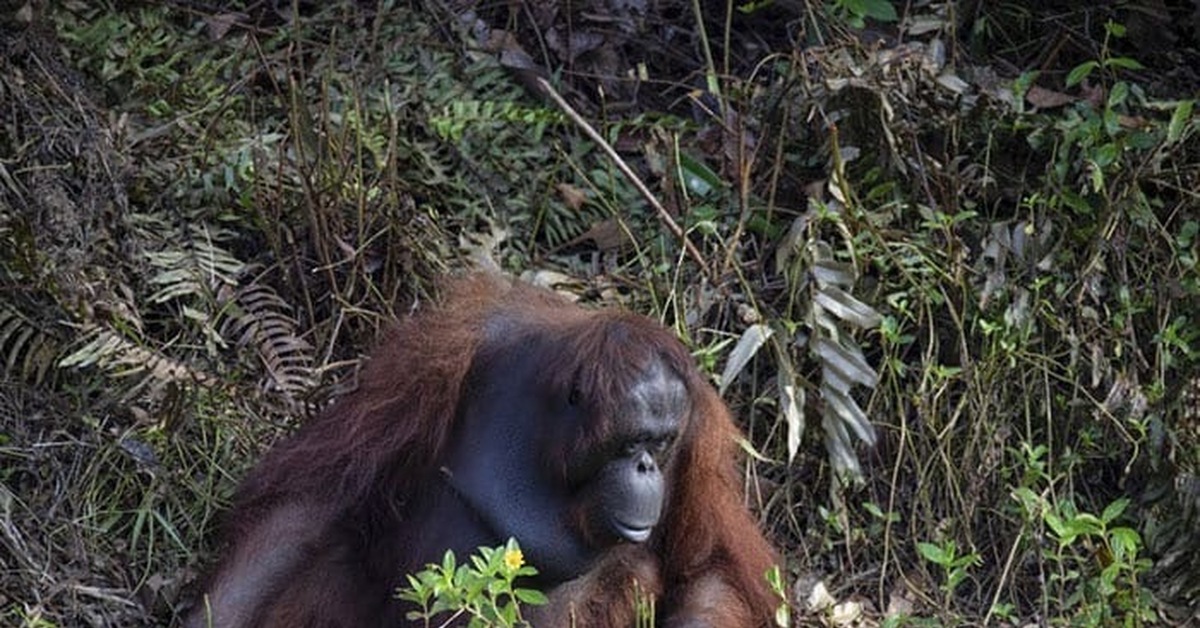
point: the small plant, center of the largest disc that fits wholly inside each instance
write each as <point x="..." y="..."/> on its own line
<point x="1086" y="542"/>
<point x="29" y="617"/>
<point x="1107" y="62"/>
<point x="643" y="607"/>
<point x="954" y="565"/>
<point x="783" y="612"/>
<point x="483" y="590"/>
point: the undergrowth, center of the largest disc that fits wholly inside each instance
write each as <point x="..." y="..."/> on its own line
<point x="954" y="311"/>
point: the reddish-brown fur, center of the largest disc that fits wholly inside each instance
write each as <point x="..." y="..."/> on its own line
<point x="341" y="485"/>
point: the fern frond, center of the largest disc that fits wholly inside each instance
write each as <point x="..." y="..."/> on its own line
<point x="196" y="269"/>
<point x="27" y="351"/>
<point x="261" y="320"/>
<point x="107" y="349"/>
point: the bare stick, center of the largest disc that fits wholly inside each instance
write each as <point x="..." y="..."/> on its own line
<point x="591" y="132"/>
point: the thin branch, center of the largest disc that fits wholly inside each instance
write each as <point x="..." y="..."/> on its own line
<point x="663" y="215"/>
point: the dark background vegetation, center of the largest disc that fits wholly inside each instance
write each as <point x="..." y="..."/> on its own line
<point x="942" y="259"/>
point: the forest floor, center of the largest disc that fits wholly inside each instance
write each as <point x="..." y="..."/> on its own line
<point x="941" y="258"/>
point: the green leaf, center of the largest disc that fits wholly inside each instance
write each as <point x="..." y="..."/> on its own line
<point x="1081" y="72"/>
<point x="1124" y="543"/>
<point x="1030" y="501"/>
<point x="751" y="7"/>
<point x="1021" y="85"/>
<point x="1114" y="510"/>
<point x="934" y="553"/>
<point x="509" y="614"/>
<point x="527" y="570"/>
<point x="1187" y="233"/>
<point x="1118" y="95"/>
<point x="1180" y="117"/>
<point x="1123" y="62"/>
<point x="1076" y="202"/>
<point x="1087" y="522"/>
<point x="698" y="178"/>
<point x="531" y="596"/>
<point x="1057" y="526"/>
<point x="880" y="10"/>
<point x="966" y="561"/>
<point x="1097" y="178"/>
<point x="1105" y="155"/>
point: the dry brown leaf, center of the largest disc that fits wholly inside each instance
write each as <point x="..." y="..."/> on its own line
<point x="218" y="25"/>
<point x="571" y="195"/>
<point x="1043" y="98"/>
<point x="607" y="234"/>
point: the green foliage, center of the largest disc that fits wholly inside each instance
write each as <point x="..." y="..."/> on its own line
<point x="25" y="618"/>
<point x="1096" y="150"/>
<point x="856" y="12"/>
<point x="783" y="612"/>
<point x="482" y="592"/>
<point x="147" y="60"/>
<point x="1010" y="318"/>
<point x="452" y="123"/>
<point x="1095" y="562"/>
<point x="644" y="605"/>
<point x="1112" y="30"/>
<point x="1000" y="297"/>
<point x="954" y="565"/>
<point x="822" y="317"/>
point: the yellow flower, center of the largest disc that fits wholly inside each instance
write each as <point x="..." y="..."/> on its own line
<point x="513" y="559"/>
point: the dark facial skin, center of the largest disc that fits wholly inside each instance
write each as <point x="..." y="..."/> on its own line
<point x="628" y="492"/>
<point x="609" y="492"/>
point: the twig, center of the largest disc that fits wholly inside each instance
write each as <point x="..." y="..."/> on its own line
<point x="663" y="215"/>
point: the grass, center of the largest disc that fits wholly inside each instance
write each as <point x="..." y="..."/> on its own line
<point x="958" y="330"/>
